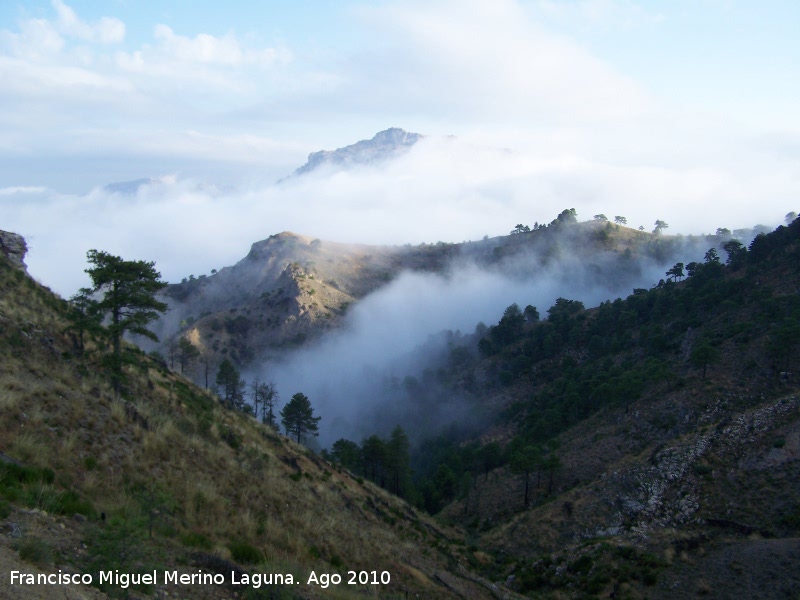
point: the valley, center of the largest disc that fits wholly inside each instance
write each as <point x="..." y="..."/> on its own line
<point x="619" y="449"/>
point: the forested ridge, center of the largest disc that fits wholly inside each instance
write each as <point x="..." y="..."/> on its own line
<point x="733" y="318"/>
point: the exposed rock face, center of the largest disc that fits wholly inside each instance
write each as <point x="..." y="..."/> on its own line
<point x="13" y="247"/>
<point x="385" y="144"/>
<point x="289" y="288"/>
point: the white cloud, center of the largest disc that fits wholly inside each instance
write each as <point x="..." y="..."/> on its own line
<point x="107" y="30"/>
<point x="206" y="48"/>
<point x="66" y="93"/>
<point x="616" y="13"/>
<point x="584" y="134"/>
<point x="33" y="79"/>
<point x="37" y="40"/>
<point x="442" y="190"/>
<point x="22" y="189"/>
<point x="391" y="334"/>
<point x="489" y="61"/>
<point x="223" y="66"/>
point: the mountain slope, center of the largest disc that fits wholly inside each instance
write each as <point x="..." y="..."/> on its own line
<point x="288" y="288"/>
<point x="660" y="436"/>
<point x="165" y="478"/>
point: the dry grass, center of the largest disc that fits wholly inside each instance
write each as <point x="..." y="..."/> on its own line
<point x="70" y="442"/>
<point x="222" y="475"/>
<point x="9" y="398"/>
<point x="31" y="448"/>
<point x="118" y="412"/>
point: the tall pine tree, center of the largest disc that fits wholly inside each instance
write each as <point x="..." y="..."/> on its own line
<point x="128" y="291"/>
<point x="298" y="417"/>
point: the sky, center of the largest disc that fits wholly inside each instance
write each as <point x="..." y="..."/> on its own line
<point x="684" y="111"/>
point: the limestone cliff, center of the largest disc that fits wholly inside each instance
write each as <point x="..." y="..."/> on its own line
<point x="13" y="247"/>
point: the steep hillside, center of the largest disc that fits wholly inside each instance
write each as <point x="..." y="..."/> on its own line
<point x="288" y="289"/>
<point x="647" y="447"/>
<point x="164" y="478"/>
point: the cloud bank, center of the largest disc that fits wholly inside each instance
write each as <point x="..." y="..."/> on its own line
<point x="87" y="102"/>
<point x="442" y="190"/>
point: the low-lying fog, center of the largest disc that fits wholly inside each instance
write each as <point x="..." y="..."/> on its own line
<point x="351" y="376"/>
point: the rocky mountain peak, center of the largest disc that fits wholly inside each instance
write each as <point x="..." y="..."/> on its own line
<point x="384" y="144"/>
<point x="14" y="248"/>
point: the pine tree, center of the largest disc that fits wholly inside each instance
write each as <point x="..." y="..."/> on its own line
<point x="128" y="289"/>
<point x="231" y="385"/>
<point x="399" y="462"/>
<point x="265" y="395"/>
<point x="85" y="318"/>
<point x="525" y="461"/>
<point x="187" y="352"/>
<point x="298" y="417"/>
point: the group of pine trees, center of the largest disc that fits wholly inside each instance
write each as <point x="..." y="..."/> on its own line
<point x="570" y="215"/>
<point x="384" y="462"/>
<point x="297" y="416"/>
<point x="122" y="300"/>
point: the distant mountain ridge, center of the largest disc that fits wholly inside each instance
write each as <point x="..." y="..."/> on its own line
<point x="385" y="144"/>
<point x="291" y="289"/>
<point x="127" y="187"/>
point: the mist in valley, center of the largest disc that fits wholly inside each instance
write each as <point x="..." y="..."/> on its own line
<point x="381" y="369"/>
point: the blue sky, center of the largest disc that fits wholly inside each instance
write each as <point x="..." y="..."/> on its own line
<point x="650" y="109"/>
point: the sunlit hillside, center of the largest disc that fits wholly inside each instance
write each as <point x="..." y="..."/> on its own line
<point x="163" y="477"/>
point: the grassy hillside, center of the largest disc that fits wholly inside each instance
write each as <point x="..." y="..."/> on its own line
<point x="163" y="477"/>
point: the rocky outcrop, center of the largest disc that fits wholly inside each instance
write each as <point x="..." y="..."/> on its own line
<point x="13" y="247"/>
<point x="384" y="145"/>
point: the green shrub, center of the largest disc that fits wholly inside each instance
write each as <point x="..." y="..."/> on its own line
<point x="197" y="540"/>
<point x="17" y="473"/>
<point x="245" y="554"/>
<point x="582" y="565"/>
<point x="59" y="502"/>
<point x="649" y="577"/>
<point x="36" y="551"/>
<point x="230" y="438"/>
<point x="701" y="469"/>
<point x="70" y="503"/>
